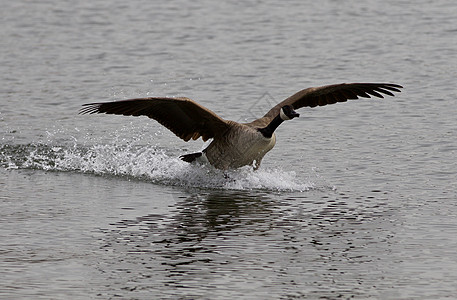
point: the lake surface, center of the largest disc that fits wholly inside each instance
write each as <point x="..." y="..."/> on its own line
<point x="357" y="200"/>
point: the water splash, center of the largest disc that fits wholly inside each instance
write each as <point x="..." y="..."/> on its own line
<point x="147" y="163"/>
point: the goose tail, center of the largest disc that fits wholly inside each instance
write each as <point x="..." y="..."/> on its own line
<point x="191" y="157"/>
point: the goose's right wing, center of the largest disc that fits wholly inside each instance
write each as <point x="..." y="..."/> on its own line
<point x="183" y="116"/>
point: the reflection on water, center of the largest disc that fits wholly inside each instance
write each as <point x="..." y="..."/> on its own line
<point x="238" y="242"/>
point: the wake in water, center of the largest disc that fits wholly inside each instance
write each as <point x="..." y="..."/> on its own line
<point x="144" y="163"/>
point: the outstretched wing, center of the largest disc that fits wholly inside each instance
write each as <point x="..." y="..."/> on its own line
<point x="330" y="94"/>
<point x="183" y="116"/>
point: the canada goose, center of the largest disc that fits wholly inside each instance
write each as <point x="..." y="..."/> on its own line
<point x="234" y="144"/>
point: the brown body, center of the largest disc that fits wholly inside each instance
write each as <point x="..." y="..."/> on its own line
<point x="242" y="145"/>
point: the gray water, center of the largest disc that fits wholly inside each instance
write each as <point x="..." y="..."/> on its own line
<point x="357" y="200"/>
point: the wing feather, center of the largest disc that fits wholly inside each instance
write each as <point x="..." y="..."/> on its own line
<point x="183" y="116"/>
<point x="330" y="94"/>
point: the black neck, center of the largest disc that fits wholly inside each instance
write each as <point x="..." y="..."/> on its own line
<point x="268" y="131"/>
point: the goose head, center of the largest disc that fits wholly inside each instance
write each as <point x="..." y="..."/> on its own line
<point x="287" y="112"/>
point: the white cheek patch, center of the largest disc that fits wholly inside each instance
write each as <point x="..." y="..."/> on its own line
<point x="282" y="115"/>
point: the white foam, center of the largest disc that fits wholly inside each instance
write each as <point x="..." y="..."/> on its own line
<point x="151" y="164"/>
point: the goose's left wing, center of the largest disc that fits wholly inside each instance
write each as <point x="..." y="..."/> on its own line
<point x="330" y="94"/>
